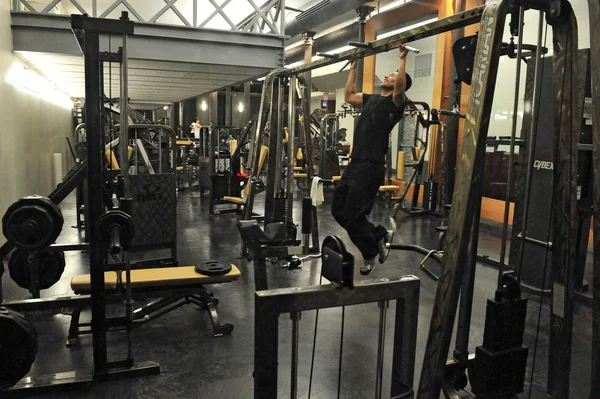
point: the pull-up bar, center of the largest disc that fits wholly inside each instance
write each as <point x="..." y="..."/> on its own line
<point x="452" y="22"/>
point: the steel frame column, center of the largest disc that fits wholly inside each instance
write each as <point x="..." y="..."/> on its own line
<point x="569" y="74"/>
<point x="308" y="155"/>
<point x="464" y="204"/>
<point x="93" y="110"/>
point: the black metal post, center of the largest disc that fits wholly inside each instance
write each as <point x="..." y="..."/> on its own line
<point x="569" y="74"/>
<point x="95" y="207"/>
<point x="464" y="204"/>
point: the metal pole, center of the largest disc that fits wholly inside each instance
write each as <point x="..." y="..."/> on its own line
<point x="383" y="305"/>
<point x="228" y="106"/>
<point x="295" y="316"/>
<point x="469" y="17"/>
<point x="93" y="94"/>
<point x="291" y="147"/>
<point x="124" y="106"/>
<point x="513" y="137"/>
<point x="362" y="13"/>
<point x="278" y="133"/>
<point x="309" y="41"/>
<point x="282" y="17"/>
<point x="461" y="351"/>
<point x="535" y="110"/>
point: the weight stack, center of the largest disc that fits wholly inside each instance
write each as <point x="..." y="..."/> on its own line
<point x="430" y="195"/>
<point x="498" y="371"/>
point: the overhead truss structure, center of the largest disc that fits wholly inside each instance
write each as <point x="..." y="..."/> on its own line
<point x="268" y="17"/>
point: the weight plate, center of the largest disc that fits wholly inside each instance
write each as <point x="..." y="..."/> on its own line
<point x="51" y="265"/>
<point x="213" y="268"/>
<point x="18" y="347"/>
<point x="32" y="222"/>
<point x="119" y="218"/>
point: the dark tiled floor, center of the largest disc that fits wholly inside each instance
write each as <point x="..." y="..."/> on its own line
<point x="196" y="366"/>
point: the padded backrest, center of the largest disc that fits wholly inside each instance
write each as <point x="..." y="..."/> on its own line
<point x="255" y="237"/>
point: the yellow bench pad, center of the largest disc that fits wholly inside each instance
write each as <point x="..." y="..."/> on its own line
<point x="298" y="168"/>
<point x="84" y="283"/>
<point x="336" y="178"/>
<point x="184" y="142"/>
<point x="390" y="187"/>
<point x="179" y="168"/>
<point x="160" y="277"/>
<point x="235" y="200"/>
<point x="176" y="276"/>
<point x="300" y="175"/>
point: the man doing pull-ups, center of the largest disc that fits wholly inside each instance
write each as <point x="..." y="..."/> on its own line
<point x="355" y="193"/>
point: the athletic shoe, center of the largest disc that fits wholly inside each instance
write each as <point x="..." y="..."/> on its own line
<point x="384" y="246"/>
<point x="367" y="266"/>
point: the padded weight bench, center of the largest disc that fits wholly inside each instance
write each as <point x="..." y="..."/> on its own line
<point x="390" y="187"/>
<point x="336" y="178"/>
<point x="176" y="286"/>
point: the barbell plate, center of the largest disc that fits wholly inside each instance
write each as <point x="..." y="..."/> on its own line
<point x="32" y="222"/>
<point x="18" y="347"/>
<point x="51" y="267"/>
<point x="213" y="268"/>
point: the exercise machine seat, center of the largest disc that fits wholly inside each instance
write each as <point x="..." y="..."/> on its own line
<point x="234" y="200"/>
<point x="83" y="283"/>
<point x="165" y="277"/>
<point x="336" y="178"/>
<point x="255" y="237"/>
<point x="390" y="187"/>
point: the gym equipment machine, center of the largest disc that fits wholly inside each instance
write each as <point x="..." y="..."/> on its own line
<point x="329" y="164"/>
<point x="461" y="245"/>
<point x="279" y="199"/>
<point x="273" y="244"/>
<point x="87" y="32"/>
<point x="417" y="145"/>
<point x="338" y="268"/>
<point x="151" y="183"/>
<point x="225" y="178"/>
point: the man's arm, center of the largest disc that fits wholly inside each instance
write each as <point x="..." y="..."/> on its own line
<point x="399" y="96"/>
<point x="350" y="93"/>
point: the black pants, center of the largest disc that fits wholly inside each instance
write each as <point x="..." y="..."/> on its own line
<point x="353" y="200"/>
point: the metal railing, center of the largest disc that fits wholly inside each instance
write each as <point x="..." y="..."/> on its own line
<point x="270" y="305"/>
<point x="268" y="18"/>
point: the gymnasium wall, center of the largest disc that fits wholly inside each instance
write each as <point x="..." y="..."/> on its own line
<point x="33" y="126"/>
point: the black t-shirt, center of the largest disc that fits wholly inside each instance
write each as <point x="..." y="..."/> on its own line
<point x="371" y="136"/>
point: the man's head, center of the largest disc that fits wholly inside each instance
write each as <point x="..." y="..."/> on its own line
<point x="389" y="81"/>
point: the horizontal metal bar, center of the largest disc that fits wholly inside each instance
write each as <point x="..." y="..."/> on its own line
<point x="413" y="248"/>
<point x="539" y="243"/>
<point x="452" y="22"/>
<point x="102" y="25"/>
<point x="288" y="300"/>
<point x="48" y="303"/>
<point x="70" y="247"/>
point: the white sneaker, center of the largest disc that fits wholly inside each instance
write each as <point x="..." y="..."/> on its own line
<point x="367" y="266"/>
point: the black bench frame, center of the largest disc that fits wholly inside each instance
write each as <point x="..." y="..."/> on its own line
<point x="168" y="300"/>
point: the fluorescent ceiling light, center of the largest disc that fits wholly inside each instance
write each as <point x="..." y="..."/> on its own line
<point x="27" y="78"/>
<point x="390" y="6"/>
<point x="395" y="32"/>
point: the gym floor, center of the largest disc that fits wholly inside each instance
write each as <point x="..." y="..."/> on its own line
<point x="197" y="366"/>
